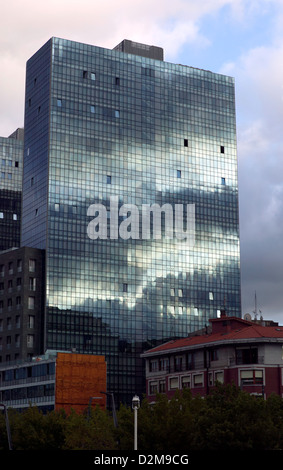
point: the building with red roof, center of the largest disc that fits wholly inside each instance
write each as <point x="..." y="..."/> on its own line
<point x="232" y="350"/>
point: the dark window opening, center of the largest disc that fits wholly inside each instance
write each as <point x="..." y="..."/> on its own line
<point x="247" y="356"/>
<point x="186" y="143"/>
<point x="222" y="149"/>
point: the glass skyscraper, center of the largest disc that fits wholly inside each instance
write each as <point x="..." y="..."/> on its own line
<point x="121" y="130"/>
<point x="11" y="164"/>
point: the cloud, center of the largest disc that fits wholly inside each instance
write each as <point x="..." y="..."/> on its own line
<point x="259" y="88"/>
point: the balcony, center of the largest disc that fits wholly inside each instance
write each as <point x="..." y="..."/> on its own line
<point x="233" y="361"/>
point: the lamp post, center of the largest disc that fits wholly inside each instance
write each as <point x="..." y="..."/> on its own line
<point x="89" y="405"/>
<point x="7" y="425"/>
<point x="110" y="394"/>
<point x="135" y="406"/>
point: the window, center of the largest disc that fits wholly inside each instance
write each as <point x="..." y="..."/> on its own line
<point x="92" y="109"/>
<point x="31" y="319"/>
<point x="32" y="265"/>
<point x="179" y="173"/>
<point x="32" y="181"/>
<point x="162" y="386"/>
<point x="214" y="355"/>
<point x="15" y="217"/>
<point x="1" y="215"/>
<point x="186" y="381"/>
<point x="117" y="113"/>
<point x="153" y="388"/>
<point x="19" y="265"/>
<point x="125" y="287"/>
<point x="31" y="303"/>
<point x="164" y="364"/>
<point x="57" y="207"/>
<point x="247" y="356"/>
<point x="32" y="283"/>
<point x="219" y="377"/>
<point x="153" y="366"/>
<point x="251" y="377"/>
<point x="30" y="341"/>
<point x="173" y="383"/>
<point x="223" y="181"/>
<point x="16" y="164"/>
<point x="108" y="179"/>
<point x="186" y="143"/>
<point x="198" y="380"/>
<point x="210" y="295"/>
<point x="222" y="149"/>
<point x="90" y="75"/>
<point x="178" y="361"/>
<point x="59" y="103"/>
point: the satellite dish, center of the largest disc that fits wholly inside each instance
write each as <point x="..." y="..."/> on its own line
<point x="247" y="317"/>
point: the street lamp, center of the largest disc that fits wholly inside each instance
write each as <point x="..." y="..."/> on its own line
<point x="110" y="394"/>
<point x="89" y="405"/>
<point x="7" y="425"/>
<point x="135" y="406"/>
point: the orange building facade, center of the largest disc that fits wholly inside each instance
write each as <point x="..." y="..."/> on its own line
<point x="80" y="379"/>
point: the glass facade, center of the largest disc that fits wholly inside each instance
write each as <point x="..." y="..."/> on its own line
<point x="116" y="129"/>
<point x="11" y="167"/>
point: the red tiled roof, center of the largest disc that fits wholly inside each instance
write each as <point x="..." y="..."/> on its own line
<point x="253" y="331"/>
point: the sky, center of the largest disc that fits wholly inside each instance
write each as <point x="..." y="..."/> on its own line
<point x="239" y="38"/>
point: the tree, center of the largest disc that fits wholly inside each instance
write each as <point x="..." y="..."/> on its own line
<point x="89" y="432"/>
<point x="32" y="430"/>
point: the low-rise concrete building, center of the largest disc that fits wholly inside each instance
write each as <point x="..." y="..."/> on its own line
<point x="233" y="351"/>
